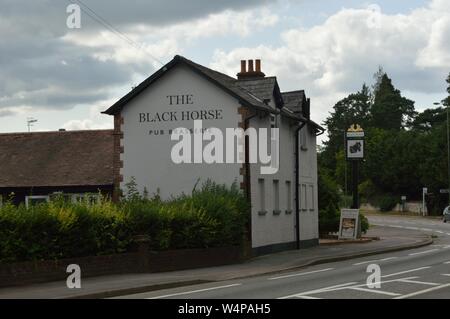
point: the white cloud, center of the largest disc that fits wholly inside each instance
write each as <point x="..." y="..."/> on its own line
<point x="335" y="58"/>
<point x="95" y="120"/>
<point x="167" y="40"/>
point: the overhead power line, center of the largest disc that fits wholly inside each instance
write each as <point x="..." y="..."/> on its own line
<point x="100" y="20"/>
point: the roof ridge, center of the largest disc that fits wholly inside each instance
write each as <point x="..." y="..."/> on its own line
<point x="295" y="91"/>
<point x="56" y="132"/>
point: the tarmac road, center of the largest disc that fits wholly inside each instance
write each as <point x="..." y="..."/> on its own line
<point x="415" y="273"/>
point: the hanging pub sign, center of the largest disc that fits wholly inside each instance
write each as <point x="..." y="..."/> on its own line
<point x="355" y="142"/>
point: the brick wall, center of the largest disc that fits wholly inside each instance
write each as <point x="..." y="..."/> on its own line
<point x="141" y="261"/>
<point x="117" y="162"/>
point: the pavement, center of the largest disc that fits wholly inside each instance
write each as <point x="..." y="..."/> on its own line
<point x="422" y="272"/>
<point x="392" y="239"/>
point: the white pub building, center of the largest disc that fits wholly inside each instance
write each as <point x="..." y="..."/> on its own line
<point x="284" y="211"/>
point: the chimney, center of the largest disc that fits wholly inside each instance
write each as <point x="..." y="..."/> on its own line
<point x="248" y="72"/>
<point x="258" y="65"/>
<point x="250" y="66"/>
<point x="62" y="130"/>
<point x="243" y="66"/>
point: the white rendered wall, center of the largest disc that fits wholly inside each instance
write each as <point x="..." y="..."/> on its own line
<point x="273" y="228"/>
<point x="148" y="157"/>
<point x="309" y="212"/>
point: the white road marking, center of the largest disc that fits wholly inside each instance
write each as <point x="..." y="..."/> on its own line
<point x="419" y="282"/>
<point x="412" y="228"/>
<point x="388" y="258"/>
<point x="376" y="291"/>
<point x="194" y="291"/>
<point x="420" y="292"/>
<point x="308" y="297"/>
<point x="365" y="262"/>
<point x="438" y="231"/>
<point x="300" y="274"/>
<point x="447" y="262"/>
<point x="373" y="261"/>
<point x="340" y="287"/>
<point x="405" y="272"/>
<point x="423" y="252"/>
<point x="331" y="288"/>
<point x="445" y="275"/>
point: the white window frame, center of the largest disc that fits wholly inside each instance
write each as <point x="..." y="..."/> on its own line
<point x="311" y="201"/>
<point x="27" y="198"/>
<point x="288" y="197"/>
<point x="304" y="197"/>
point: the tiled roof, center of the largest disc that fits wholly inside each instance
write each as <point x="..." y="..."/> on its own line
<point x="68" y="158"/>
<point x="251" y="91"/>
<point x="226" y="82"/>
<point x="294" y="100"/>
<point x="261" y="87"/>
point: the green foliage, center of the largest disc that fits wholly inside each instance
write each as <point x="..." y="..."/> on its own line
<point x="329" y="220"/>
<point x="403" y="149"/>
<point x="390" y="110"/>
<point x="364" y="223"/>
<point x="329" y="199"/>
<point x="387" y="203"/>
<point x="215" y="215"/>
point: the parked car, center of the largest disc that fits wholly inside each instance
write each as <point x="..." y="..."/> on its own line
<point x="446" y="214"/>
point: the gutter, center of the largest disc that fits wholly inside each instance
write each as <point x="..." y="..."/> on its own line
<point x="297" y="182"/>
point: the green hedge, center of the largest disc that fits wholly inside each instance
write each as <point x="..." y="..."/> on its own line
<point x="213" y="216"/>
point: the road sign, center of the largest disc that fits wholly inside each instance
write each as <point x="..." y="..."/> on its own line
<point x="443" y="191"/>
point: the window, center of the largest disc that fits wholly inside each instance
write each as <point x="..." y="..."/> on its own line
<point x="35" y="200"/>
<point x="276" y="195"/>
<point x="288" y="198"/>
<point x="303" y="197"/>
<point x="303" y="139"/>
<point x="311" y="197"/>
<point x="262" y="196"/>
<point x="273" y="121"/>
<point x="90" y="198"/>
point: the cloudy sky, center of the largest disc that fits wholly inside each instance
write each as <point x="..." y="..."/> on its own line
<point x="65" y="77"/>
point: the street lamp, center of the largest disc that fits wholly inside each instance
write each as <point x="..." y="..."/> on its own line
<point x="448" y="150"/>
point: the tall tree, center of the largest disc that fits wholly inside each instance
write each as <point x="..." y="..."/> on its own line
<point x="428" y="119"/>
<point x="390" y="110"/>
<point x="446" y="101"/>
<point x="354" y="109"/>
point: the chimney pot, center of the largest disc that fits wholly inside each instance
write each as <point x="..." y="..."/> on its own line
<point x="243" y="66"/>
<point x="250" y="66"/>
<point x="258" y="65"/>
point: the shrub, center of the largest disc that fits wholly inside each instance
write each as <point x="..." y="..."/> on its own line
<point x="215" y="215"/>
<point x="387" y="203"/>
<point x="364" y="223"/>
<point x="329" y="219"/>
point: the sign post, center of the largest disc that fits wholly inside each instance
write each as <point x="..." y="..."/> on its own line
<point x="355" y="153"/>
<point x="424" y="192"/>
